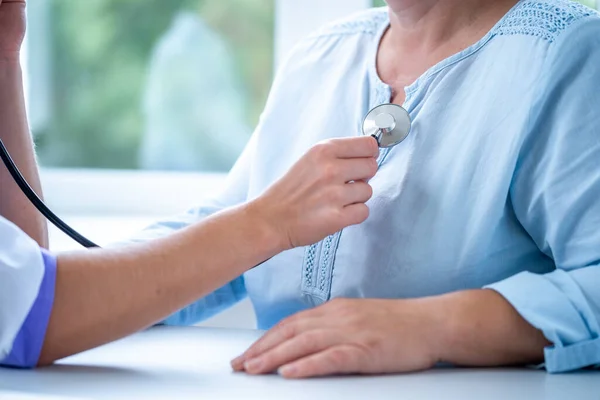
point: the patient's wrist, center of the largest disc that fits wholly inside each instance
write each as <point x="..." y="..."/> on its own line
<point x="437" y="322"/>
<point x="480" y="328"/>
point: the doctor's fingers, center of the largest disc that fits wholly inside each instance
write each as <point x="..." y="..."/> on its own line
<point x="357" y="169"/>
<point x="354" y="214"/>
<point x="353" y="147"/>
<point x="356" y="193"/>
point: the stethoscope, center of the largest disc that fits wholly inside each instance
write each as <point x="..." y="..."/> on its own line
<point x="389" y="124"/>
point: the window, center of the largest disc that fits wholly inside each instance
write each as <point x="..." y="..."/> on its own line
<point x="148" y="84"/>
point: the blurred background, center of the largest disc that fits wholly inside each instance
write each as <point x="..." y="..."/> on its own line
<point x="144" y="84"/>
<point x="127" y="100"/>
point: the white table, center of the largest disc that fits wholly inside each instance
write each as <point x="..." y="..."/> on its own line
<point x="182" y="363"/>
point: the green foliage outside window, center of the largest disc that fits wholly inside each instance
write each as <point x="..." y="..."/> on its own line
<point x="100" y="56"/>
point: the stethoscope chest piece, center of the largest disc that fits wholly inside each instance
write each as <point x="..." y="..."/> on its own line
<point x="389" y="124"/>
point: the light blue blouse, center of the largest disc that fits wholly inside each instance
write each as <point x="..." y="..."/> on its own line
<point x="497" y="186"/>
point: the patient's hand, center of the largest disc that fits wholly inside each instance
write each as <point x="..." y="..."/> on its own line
<point x="12" y="28"/>
<point x="472" y="328"/>
<point x="324" y="192"/>
<point x="346" y="337"/>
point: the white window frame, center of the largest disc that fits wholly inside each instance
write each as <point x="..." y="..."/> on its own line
<point x="101" y="192"/>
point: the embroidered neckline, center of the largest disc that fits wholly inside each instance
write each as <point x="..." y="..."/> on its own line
<point x="545" y="19"/>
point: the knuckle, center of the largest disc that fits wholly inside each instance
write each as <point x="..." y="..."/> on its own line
<point x="373" y="146"/>
<point x="368" y="189"/>
<point x="319" y="151"/>
<point x="324" y="148"/>
<point x="371" y="345"/>
<point x="360" y="213"/>
<point x="338" y="216"/>
<point x="357" y="320"/>
<point x="347" y="311"/>
<point x="335" y="141"/>
<point x="365" y="216"/>
<point x="373" y="166"/>
<point x="329" y="172"/>
<point x="305" y="341"/>
<point x="339" y="357"/>
<point x="310" y="340"/>
<point x="336" y="194"/>
<point x="364" y="212"/>
<point x="341" y="305"/>
<point x="287" y="329"/>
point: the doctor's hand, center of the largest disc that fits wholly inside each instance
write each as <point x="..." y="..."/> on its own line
<point x="324" y="192"/>
<point x="349" y="337"/>
<point x="12" y="28"/>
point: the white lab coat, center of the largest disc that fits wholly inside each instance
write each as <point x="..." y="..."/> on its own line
<point x="21" y="274"/>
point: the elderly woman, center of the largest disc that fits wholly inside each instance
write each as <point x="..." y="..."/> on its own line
<point x="483" y="243"/>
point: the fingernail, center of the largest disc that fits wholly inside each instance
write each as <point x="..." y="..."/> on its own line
<point x="287" y="371"/>
<point x="237" y="363"/>
<point x="253" y="365"/>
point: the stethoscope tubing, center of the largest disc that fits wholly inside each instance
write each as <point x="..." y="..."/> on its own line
<point x="38" y="203"/>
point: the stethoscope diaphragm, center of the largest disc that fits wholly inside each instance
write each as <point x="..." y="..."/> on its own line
<point x="389" y="124"/>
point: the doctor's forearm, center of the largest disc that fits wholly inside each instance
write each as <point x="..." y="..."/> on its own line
<point x="482" y="329"/>
<point x="14" y="132"/>
<point x="104" y="295"/>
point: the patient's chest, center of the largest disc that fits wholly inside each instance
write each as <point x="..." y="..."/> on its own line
<point x="440" y="219"/>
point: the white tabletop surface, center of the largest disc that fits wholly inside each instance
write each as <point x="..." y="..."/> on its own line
<point x="193" y="363"/>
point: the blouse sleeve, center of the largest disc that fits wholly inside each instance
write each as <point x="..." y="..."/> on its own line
<point x="556" y="197"/>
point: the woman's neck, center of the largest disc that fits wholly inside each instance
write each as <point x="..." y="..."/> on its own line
<point x="425" y="32"/>
<point x="426" y="25"/>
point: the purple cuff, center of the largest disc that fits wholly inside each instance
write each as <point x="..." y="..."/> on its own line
<point x="27" y="346"/>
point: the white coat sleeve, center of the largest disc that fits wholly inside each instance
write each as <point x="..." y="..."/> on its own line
<point x="27" y="283"/>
